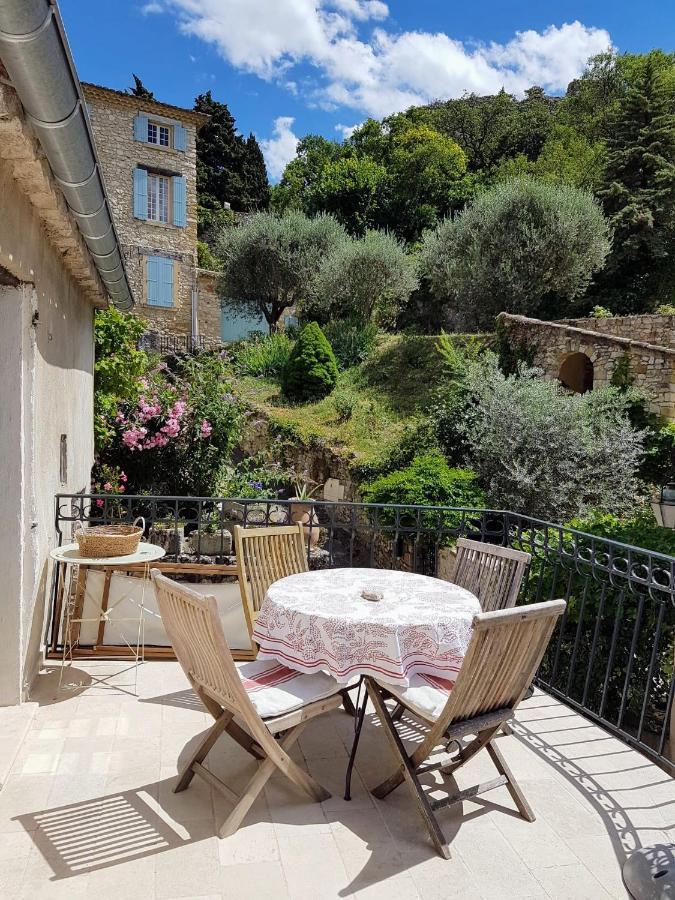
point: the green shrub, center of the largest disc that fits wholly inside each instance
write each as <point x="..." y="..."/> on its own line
<point x="311" y="371"/>
<point x="546" y="454"/>
<point x="657" y="463"/>
<point x="264" y="355"/>
<point x="206" y="259"/>
<point x="345" y="402"/>
<point x="601" y="312"/>
<point x="351" y="343"/>
<point x="118" y="368"/>
<point x="639" y="530"/>
<point x="665" y="309"/>
<point x="427" y="481"/>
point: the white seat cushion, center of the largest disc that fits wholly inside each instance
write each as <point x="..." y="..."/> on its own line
<point x="426" y="694"/>
<point x="274" y="689"/>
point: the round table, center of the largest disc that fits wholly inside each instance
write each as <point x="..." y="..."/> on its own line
<point x="320" y="621"/>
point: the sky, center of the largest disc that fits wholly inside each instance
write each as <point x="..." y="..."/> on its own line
<point x="287" y="68"/>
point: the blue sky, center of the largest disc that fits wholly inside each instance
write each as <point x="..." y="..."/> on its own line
<point x="289" y="67"/>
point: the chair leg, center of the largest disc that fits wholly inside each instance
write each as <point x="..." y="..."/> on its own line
<point x="244" y="739"/>
<point x="408" y="771"/>
<point x="348" y="704"/>
<point x="517" y="795"/>
<point x="187" y="773"/>
<point x="279" y="760"/>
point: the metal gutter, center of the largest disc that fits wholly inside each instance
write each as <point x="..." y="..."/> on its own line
<point x="34" y="50"/>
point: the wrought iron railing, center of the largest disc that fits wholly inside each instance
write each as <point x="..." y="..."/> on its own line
<point x="611" y="656"/>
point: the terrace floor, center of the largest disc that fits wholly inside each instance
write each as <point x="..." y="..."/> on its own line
<point x="87" y="809"/>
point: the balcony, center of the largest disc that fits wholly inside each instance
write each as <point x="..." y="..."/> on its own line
<point x="87" y="808"/>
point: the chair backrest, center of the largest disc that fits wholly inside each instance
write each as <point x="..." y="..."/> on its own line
<point x="264" y="555"/>
<point x="504" y="653"/>
<point x="194" y="628"/>
<point x="492" y="573"/>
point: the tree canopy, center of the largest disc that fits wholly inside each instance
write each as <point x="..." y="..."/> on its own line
<point x="230" y="168"/>
<point x="638" y="192"/>
<point x="523" y="246"/>
<point x="269" y="261"/>
<point x="610" y="134"/>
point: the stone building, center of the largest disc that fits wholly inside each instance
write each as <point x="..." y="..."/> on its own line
<point x="586" y="353"/>
<point x="148" y="157"/>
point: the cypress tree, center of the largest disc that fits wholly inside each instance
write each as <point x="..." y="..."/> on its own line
<point x="255" y="176"/>
<point x="638" y="193"/>
<point x="139" y="89"/>
<point x="220" y="153"/>
<point x="229" y="168"/>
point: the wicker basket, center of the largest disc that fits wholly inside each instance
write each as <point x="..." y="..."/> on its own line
<point x="102" y="541"/>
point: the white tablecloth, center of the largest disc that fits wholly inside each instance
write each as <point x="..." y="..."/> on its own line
<point x="319" y="621"/>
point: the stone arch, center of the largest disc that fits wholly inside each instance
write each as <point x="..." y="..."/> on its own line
<point x="576" y="373"/>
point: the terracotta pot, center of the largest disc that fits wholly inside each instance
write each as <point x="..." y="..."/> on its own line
<point x="300" y="510"/>
<point x="302" y="513"/>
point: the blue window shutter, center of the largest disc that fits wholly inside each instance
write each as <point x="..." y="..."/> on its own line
<point x="141" y="128"/>
<point x="179" y="138"/>
<point x="165" y="282"/>
<point x="140" y="194"/>
<point x="179" y="201"/>
<point x="153" y="264"/>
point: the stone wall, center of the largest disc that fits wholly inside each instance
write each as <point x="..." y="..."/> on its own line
<point x="651" y="367"/>
<point x="659" y="330"/>
<point x="209" y="305"/>
<point x="112" y="115"/>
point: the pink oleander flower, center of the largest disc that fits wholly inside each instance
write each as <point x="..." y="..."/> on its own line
<point x="205" y="428"/>
<point x="177" y="409"/>
<point x="99" y="502"/>
<point x="107" y="487"/>
<point x="123" y="477"/>
<point x="122" y="489"/>
<point x="119" y="417"/>
<point x="172" y="428"/>
<point x="133" y="438"/>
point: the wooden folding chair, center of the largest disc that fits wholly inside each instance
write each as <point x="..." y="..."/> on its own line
<point x="272" y="703"/>
<point x="264" y="555"/>
<point x="504" y="653"/>
<point x="493" y="574"/>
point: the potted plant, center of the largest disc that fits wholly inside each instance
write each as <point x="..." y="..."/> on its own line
<point x="169" y="535"/>
<point x="301" y="509"/>
<point x="214" y="537"/>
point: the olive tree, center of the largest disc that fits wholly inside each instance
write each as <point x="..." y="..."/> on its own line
<point x="366" y="280"/>
<point x="269" y="261"/>
<point x="523" y="246"/>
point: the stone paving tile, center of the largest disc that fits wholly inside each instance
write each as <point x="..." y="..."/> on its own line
<point x="88" y="809"/>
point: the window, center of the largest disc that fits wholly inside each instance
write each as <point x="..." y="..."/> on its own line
<point x="155" y="195"/>
<point x="158" y="198"/>
<point x="159" y="281"/>
<point x="158" y="134"/>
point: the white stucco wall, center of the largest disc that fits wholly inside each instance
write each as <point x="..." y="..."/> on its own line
<point x="46" y="390"/>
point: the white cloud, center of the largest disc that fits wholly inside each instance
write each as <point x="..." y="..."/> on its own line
<point x="281" y="148"/>
<point x="153" y="7"/>
<point x="384" y="71"/>
<point x="362" y="9"/>
<point x="346" y="131"/>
